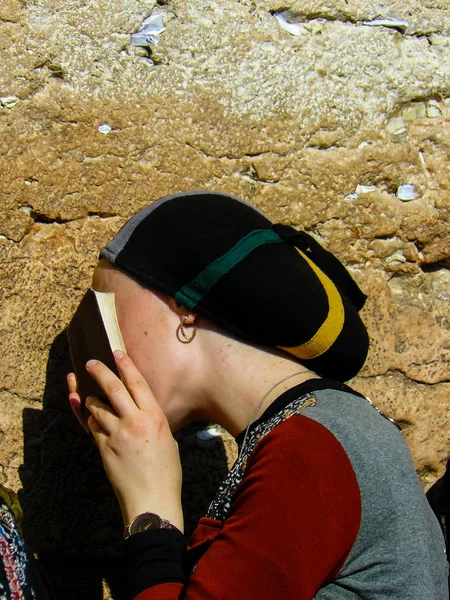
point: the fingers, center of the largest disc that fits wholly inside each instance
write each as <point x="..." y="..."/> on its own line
<point x="72" y="383"/>
<point x="114" y="389"/>
<point x="124" y="397"/>
<point x="75" y="400"/>
<point x="75" y="405"/>
<point x="134" y="381"/>
<point x="98" y="433"/>
<point x="104" y="417"/>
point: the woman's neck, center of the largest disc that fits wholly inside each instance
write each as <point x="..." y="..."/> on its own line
<point x="246" y="382"/>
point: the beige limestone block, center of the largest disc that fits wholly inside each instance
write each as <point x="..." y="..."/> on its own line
<point x="409" y="329"/>
<point x="423" y="412"/>
<point x="12" y="11"/>
<point x="318" y="129"/>
<point x="422" y="18"/>
<point x="43" y="280"/>
<point x="11" y="437"/>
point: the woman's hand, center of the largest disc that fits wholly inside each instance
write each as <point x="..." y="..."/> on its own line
<point x="138" y="450"/>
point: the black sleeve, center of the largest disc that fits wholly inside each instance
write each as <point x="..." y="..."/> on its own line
<point x="153" y="557"/>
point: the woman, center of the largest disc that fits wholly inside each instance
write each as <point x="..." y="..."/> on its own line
<point x="231" y="319"/>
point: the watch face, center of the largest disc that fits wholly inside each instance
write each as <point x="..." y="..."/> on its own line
<point x="144" y="522"/>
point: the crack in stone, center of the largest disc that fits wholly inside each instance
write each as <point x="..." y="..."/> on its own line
<point x="205" y="154"/>
<point x="44" y="219"/>
<point x="13" y="21"/>
<point x="299" y="18"/>
<point x="443" y="264"/>
<point x="39" y="217"/>
<point x="325" y="148"/>
<point x="3" y="236"/>
<point x="33" y="399"/>
<point x="317" y="224"/>
<point x="415" y="380"/>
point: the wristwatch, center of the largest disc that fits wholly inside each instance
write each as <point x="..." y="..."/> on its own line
<point x="147" y="521"/>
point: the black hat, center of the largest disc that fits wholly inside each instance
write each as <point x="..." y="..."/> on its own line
<point x="268" y="284"/>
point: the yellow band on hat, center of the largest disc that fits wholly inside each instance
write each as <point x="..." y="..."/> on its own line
<point x="330" y="329"/>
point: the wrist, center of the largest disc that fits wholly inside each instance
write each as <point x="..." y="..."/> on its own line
<point x="148" y="522"/>
<point x="171" y="514"/>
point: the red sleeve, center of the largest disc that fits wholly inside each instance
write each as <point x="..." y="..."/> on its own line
<point x="291" y="526"/>
<point x="164" y="591"/>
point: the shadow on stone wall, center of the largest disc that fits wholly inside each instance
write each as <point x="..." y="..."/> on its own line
<point x="72" y="520"/>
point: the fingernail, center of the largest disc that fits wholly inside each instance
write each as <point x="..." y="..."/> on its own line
<point x="91" y="363"/>
<point x="119" y="354"/>
<point x="74" y="401"/>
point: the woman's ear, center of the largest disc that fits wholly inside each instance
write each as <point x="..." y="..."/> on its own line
<point x="181" y="311"/>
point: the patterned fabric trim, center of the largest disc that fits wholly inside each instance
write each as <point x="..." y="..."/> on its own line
<point x="13" y="560"/>
<point x="221" y="504"/>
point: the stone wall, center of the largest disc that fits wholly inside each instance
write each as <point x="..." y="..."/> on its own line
<point x="330" y="115"/>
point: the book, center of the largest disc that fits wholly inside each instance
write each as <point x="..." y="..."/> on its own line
<point x="94" y="333"/>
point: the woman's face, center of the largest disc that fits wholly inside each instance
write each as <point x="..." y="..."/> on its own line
<point x="148" y="327"/>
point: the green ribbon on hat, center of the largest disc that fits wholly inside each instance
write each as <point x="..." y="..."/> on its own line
<point x="191" y="294"/>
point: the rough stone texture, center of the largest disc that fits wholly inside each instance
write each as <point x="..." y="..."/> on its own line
<point x="227" y="100"/>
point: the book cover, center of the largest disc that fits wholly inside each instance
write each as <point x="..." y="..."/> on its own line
<point x="93" y="333"/>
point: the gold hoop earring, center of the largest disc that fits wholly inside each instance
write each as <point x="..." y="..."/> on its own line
<point x="183" y="333"/>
